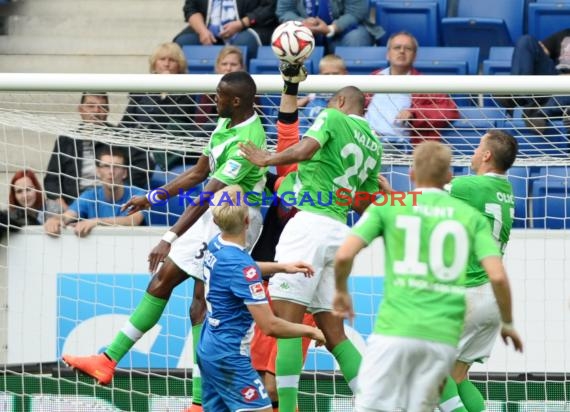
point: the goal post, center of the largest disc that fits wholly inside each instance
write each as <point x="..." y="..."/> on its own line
<point x="72" y="295"/>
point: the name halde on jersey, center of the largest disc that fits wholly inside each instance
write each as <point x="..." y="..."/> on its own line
<point x="365" y="141"/>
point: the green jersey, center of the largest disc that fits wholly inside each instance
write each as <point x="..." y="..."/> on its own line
<point x="492" y="195"/>
<point x="427" y="247"/>
<point x="347" y="162"/>
<point x="226" y="162"/>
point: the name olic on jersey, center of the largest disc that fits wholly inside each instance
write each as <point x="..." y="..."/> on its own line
<point x="340" y="197"/>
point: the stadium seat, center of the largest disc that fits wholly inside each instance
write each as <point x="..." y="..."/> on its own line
<point x="553" y="142"/>
<point x="429" y="60"/>
<point x="443" y="67"/>
<point x="499" y="61"/>
<point x="362" y="60"/>
<point x="545" y="19"/>
<point x="464" y="134"/>
<point x="202" y="59"/>
<point x="419" y="18"/>
<point x="441" y="5"/>
<point x="520" y="179"/>
<point x="266" y="63"/>
<point x="551" y="198"/>
<point x="484" y="23"/>
<point x="462" y="143"/>
<point x="453" y="57"/>
<point x="460" y="170"/>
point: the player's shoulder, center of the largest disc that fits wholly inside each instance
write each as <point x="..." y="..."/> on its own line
<point x="464" y="180"/>
<point x="464" y="211"/>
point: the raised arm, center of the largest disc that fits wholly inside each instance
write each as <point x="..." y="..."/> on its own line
<point x="270" y="268"/>
<point x="187" y="180"/>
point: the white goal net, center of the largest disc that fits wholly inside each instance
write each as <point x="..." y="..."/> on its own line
<point x="70" y="294"/>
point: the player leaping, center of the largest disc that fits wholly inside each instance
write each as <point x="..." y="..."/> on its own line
<point x="181" y="248"/>
<point x="338" y="151"/>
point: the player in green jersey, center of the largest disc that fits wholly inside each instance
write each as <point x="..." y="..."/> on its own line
<point x="489" y="192"/>
<point x="339" y="151"/>
<point x="181" y="249"/>
<point x="427" y="249"/>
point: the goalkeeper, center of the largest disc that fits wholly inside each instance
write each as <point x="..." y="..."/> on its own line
<point x="339" y="151"/>
<point x="263" y="347"/>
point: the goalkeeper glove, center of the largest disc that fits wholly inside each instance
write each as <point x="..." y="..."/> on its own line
<point x="292" y="73"/>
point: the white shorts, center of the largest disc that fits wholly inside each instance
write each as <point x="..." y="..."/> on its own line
<point x="314" y="239"/>
<point x="399" y="373"/>
<point x="187" y="252"/>
<point x="482" y="325"/>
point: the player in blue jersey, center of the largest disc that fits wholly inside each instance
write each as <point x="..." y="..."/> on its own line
<point x="235" y="298"/>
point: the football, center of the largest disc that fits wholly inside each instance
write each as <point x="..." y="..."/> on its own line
<point x="292" y="42"/>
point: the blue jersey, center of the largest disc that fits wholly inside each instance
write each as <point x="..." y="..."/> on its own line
<point x="232" y="280"/>
<point x="92" y="203"/>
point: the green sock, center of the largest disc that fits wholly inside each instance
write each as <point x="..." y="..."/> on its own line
<point x="450" y="400"/>
<point x="471" y="397"/>
<point x="288" y="365"/>
<point x="348" y="359"/>
<point x="145" y="316"/>
<point x="196" y="376"/>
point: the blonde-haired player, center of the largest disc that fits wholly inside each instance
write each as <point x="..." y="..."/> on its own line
<point x="235" y="298"/>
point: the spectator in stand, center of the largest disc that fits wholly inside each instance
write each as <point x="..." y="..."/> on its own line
<point x="333" y="22"/>
<point x="229" y="59"/>
<point x="27" y="204"/>
<point x="241" y="23"/>
<point x="71" y="167"/>
<point x="416" y="116"/>
<point x="171" y="114"/>
<point x="550" y="56"/>
<point x="311" y="105"/>
<point x="101" y="205"/>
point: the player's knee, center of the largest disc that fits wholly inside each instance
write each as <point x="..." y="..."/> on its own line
<point x="163" y="283"/>
<point x="332" y="328"/>
<point x="460" y="371"/>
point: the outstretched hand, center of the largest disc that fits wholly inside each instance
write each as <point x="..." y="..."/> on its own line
<point x="293" y="73"/>
<point x="254" y="154"/>
<point x="319" y="337"/>
<point x="299" y="267"/>
<point x="135" y="204"/>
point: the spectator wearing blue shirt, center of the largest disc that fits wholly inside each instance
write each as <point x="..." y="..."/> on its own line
<point x="101" y="205"/>
<point x="235" y="299"/>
